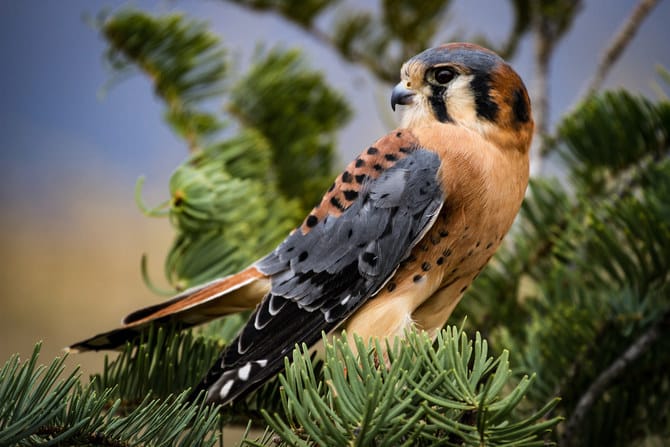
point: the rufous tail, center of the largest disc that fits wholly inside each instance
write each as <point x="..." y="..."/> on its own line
<point x="197" y="305"/>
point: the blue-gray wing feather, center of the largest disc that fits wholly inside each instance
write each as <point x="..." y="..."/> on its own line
<point x="320" y="277"/>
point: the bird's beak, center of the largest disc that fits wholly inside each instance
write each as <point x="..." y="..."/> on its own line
<point x="401" y="95"/>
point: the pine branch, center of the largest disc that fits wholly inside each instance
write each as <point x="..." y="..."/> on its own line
<point x="619" y="43"/>
<point x="38" y="406"/>
<point x="186" y="64"/>
<point x="609" y="376"/>
<point x="449" y="392"/>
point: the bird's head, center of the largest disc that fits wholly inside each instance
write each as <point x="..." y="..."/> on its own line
<point x="467" y="85"/>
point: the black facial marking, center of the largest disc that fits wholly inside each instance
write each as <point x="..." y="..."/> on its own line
<point x="360" y="162"/>
<point x="520" y="107"/>
<point x="346" y="177"/>
<point x="437" y="103"/>
<point x="312" y="220"/>
<point x="372" y="150"/>
<point x="350" y="194"/>
<point x="360" y="178"/>
<point x="336" y="203"/>
<point x="484" y="104"/>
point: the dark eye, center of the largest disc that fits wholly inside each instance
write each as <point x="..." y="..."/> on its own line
<point x="444" y="75"/>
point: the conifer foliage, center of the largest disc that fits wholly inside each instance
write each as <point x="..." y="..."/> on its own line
<point x="575" y="304"/>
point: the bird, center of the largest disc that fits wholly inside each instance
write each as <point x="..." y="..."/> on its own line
<point x="395" y="241"/>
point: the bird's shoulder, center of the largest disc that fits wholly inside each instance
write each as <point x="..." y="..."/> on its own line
<point x="366" y="167"/>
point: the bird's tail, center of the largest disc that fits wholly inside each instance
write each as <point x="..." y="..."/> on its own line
<point x="194" y="306"/>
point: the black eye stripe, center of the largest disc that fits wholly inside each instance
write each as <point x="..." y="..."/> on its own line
<point x="437" y="103"/>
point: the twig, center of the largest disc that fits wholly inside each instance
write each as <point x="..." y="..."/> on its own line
<point x="607" y="377"/>
<point x="620" y="42"/>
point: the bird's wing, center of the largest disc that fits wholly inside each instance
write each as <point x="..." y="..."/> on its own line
<point x="344" y="252"/>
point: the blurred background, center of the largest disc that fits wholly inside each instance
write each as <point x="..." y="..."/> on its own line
<point x="72" y="145"/>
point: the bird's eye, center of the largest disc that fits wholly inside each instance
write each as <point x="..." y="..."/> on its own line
<point x="444" y="75"/>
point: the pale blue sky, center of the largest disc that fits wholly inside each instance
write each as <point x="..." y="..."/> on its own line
<point x="58" y="133"/>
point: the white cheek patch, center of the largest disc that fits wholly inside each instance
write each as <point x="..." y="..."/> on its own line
<point x="460" y="100"/>
<point x="417" y="113"/>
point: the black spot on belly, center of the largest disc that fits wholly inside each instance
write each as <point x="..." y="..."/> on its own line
<point x="378" y="167"/>
<point x="360" y="162"/>
<point x="425" y="266"/>
<point x="372" y="150"/>
<point x="416" y="278"/>
<point x="347" y="177"/>
<point x="440" y="261"/>
<point x="390" y="157"/>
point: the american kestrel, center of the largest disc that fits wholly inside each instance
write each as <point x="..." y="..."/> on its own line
<point x="395" y="241"/>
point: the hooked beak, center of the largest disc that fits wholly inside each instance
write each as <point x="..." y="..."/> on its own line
<point x="401" y="95"/>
